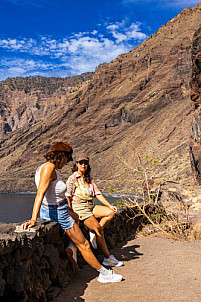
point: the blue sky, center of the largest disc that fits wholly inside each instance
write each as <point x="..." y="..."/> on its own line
<point x="63" y="38"/>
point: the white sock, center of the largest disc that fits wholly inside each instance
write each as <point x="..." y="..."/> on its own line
<point x="103" y="271"/>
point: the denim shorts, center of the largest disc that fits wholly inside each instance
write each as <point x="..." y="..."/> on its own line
<point x="57" y="213"/>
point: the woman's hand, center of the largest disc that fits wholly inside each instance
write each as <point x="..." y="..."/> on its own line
<point x="29" y="224"/>
<point x="113" y="208"/>
<point x="102" y="199"/>
<point x="74" y="215"/>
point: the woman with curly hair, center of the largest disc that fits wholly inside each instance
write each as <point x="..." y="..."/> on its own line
<point x="50" y="200"/>
<point x="81" y="190"/>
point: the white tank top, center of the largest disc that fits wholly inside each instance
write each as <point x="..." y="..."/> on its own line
<point x="55" y="193"/>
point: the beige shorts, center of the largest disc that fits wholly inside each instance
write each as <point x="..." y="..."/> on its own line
<point x="83" y="209"/>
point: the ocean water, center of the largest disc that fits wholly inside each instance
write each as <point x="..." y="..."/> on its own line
<point x="18" y="207"/>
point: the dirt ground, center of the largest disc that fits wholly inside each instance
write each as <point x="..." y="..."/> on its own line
<point x="155" y="270"/>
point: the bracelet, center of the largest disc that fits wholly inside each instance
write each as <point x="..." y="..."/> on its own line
<point x="33" y="220"/>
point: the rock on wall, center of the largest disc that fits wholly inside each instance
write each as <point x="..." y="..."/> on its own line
<point x="195" y="135"/>
<point x="33" y="264"/>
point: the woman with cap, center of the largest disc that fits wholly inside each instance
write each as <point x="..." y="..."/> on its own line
<point x="81" y="190"/>
<point x="50" y="200"/>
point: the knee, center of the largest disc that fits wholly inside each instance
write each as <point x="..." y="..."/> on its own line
<point x="111" y="214"/>
<point x="85" y="246"/>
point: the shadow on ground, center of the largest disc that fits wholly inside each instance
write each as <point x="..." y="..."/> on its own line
<point x="85" y="275"/>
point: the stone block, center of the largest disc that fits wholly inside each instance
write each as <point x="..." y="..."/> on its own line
<point x="8" y="243"/>
<point x="53" y="232"/>
<point x="52" y="255"/>
<point x="52" y="292"/>
<point x="2" y="286"/>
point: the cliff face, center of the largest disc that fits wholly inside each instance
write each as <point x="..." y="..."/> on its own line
<point x="195" y="139"/>
<point x="137" y="104"/>
<point x="24" y="101"/>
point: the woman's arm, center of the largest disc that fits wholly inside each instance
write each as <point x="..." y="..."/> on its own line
<point x="69" y="202"/>
<point x="74" y="215"/>
<point x="102" y="199"/>
<point x="46" y="177"/>
<point x="70" y="184"/>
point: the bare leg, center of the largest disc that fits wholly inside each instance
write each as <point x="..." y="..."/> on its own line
<point x="74" y="215"/>
<point x="93" y="225"/>
<point x="104" y="213"/>
<point x="75" y="234"/>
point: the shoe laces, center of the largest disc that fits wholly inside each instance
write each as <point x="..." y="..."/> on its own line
<point x="113" y="258"/>
<point x="110" y="272"/>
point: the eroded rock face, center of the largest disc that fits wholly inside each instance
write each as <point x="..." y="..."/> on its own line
<point x="196" y="69"/>
<point x="25" y="101"/>
<point x="195" y="135"/>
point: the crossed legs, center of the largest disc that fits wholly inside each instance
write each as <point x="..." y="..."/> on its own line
<point x="105" y="215"/>
<point x="75" y="234"/>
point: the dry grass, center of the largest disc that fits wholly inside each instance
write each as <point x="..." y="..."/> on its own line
<point x="172" y="223"/>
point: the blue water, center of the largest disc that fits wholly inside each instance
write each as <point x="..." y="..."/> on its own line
<point x="18" y="207"/>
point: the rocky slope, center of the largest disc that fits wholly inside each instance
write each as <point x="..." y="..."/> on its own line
<point x="24" y="101"/>
<point x="139" y="104"/>
<point x="195" y="139"/>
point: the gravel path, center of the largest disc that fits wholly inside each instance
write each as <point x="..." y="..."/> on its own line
<point x="156" y="270"/>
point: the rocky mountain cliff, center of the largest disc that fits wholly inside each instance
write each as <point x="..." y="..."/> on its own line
<point x="195" y="135"/>
<point x="24" y="101"/>
<point x="138" y="104"/>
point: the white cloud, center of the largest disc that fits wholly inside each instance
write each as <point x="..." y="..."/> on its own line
<point x="84" y="42"/>
<point x="28" y="3"/>
<point x="179" y="3"/>
<point x="23" y="67"/>
<point x="16" y="71"/>
<point x="138" y="1"/>
<point x="78" y="53"/>
<point x="167" y="3"/>
<point x="123" y="33"/>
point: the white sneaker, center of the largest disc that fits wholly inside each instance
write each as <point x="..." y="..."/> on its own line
<point x="111" y="277"/>
<point x="93" y="239"/>
<point x="112" y="261"/>
<point x="71" y="252"/>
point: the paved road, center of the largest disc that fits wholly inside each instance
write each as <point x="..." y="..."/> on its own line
<point x="156" y="270"/>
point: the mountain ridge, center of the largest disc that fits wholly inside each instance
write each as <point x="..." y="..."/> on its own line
<point x="28" y="99"/>
<point x="138" y="104"/>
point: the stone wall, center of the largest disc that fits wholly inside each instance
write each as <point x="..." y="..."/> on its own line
<point x="33" y="264"/>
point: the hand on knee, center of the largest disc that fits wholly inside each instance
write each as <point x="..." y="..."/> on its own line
<point x="99" y="230"/>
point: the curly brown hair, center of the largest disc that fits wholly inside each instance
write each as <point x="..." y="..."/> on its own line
<point x="56" y="157"/>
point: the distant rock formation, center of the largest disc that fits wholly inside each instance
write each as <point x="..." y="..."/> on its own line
<point x="24" y="101"/>
<point x="195" y="135"/>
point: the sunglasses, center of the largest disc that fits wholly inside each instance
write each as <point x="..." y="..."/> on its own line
<point x="83" y="162"/>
